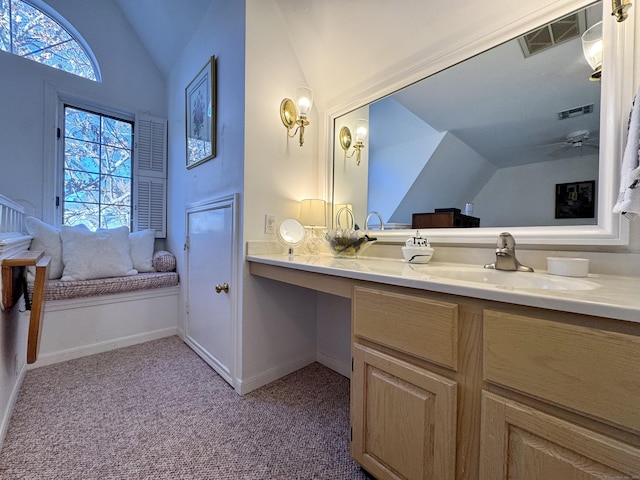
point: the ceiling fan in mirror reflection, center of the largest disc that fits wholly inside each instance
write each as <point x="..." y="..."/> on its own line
<point x="567" y="148"/>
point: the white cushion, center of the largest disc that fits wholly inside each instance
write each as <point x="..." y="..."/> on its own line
<point x="141" y="246"/>
<point x="46" y="238"/>
<point x="99" y="254"/>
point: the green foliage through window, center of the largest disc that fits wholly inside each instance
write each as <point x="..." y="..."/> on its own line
<point x="97" y="171"/>
<point x="28" y="32"/>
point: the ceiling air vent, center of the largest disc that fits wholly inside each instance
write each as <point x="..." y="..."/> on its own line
<point x="575" y="112"/>
<point x="554" y="33"/>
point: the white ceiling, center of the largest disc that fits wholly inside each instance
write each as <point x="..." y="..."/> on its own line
<point x="497" y="116"/>
<point x="164" y="26"/>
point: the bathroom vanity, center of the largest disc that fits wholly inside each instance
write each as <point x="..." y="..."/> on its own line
<point x="458" y="379"/>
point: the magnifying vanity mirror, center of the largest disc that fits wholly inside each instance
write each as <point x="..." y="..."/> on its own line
<point x="291" y="234"/>
<point x="517" y="129"/>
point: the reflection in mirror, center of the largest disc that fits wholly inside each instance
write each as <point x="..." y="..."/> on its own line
<point x="503" y="130"/>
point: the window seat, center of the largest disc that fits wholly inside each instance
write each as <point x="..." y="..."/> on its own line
<point x="59" y="290"/>
<point x="84" y="317"/>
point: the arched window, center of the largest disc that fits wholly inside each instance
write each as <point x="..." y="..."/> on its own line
<point x="35" y="31"/>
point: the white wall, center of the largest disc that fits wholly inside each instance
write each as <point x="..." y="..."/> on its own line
<point x="530" y="206"/>
<point x="130" y="82"/>
<point x="278" y="321"/>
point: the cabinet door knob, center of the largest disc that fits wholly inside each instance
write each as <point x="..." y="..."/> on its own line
<point x="222" y="288"/>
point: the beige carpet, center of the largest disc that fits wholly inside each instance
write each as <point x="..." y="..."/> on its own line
<point x="157" y="411"/>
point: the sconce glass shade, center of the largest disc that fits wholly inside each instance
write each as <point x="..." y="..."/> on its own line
<point x="313" y="212"/>
<point x="304" y="100"/>
<point x="592" y="48"/>
<point x="361" y="129"/>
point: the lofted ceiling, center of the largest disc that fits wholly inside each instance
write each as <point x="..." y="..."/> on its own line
<point x="164" y="26"/>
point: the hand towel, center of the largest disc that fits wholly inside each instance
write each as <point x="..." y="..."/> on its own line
<point x="629" y="197"/>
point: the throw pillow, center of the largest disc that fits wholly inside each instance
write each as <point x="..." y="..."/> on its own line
<point x="164" y="261"/>
<point x="141" y="245"/>
<point x="46" y="238"/>
<point x="100" y="254"/>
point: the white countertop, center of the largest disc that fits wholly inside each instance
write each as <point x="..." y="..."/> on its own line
<point x="615" y="296"/>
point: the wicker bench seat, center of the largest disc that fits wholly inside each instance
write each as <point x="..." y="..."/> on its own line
<point x="59" y="290"/>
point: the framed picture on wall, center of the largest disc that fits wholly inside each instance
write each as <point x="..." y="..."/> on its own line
<point x="575" y="200"/>
<point x="200" y="113"/>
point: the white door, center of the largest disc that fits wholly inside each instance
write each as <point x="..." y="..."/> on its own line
<point x="211" y="284"/>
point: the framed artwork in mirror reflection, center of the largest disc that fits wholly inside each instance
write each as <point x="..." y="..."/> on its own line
<point x="200" y="115"/>
<point x="575" y="200"/>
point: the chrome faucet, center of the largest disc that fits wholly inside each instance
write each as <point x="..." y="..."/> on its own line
<point x="506" y="255"/>
<point x="371" y="214"/>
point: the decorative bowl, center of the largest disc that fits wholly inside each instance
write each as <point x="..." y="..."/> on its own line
<point x="417" y="254"/>
<point x="347" y="242"/>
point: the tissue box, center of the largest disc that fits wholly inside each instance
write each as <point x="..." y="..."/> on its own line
<point x="568" y="267"/>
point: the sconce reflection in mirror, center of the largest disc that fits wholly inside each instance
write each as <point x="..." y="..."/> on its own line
<point x="293" y="114"/>
<point x="592" y="49"/>
<point x="361" y="128"/>
<point x="619" y="9"/>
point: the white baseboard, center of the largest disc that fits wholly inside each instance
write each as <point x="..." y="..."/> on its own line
<point x="212" y="361"/>
<point x="6" y="418"/>
<point x="70" y="354"/>
<point x="264" y="378"/>
<point x="334" y="364"/>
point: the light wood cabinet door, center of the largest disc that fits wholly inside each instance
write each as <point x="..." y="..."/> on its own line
<point x="522" y="443"/>
<point x="403" y="418"/>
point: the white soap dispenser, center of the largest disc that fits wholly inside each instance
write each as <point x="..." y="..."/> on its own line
<point x="417" y="249"/>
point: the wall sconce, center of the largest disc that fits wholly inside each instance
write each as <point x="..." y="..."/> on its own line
<point x="592" y="49"/>
<point x="361" y="128"/>
<point x="619" y="9"/>
<point x="292" y="116"/>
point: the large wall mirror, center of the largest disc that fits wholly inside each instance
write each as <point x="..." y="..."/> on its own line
<point x="518" y="130"/>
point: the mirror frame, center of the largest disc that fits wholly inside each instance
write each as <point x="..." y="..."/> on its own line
<point x="616" y="98"/>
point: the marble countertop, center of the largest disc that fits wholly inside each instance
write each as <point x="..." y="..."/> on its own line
<point x="614" y="297"/>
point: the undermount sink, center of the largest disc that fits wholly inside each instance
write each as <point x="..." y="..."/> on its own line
<point x="500" y="278"/>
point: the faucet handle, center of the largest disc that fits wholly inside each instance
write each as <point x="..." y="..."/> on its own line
<point x="506" y="241"/>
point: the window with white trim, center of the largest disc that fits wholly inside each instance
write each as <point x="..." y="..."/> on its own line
<point x="33" y="30"/>
<point x="113" y="170"/>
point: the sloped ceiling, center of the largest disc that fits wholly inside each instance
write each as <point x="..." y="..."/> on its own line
<point x="164" y="26"/>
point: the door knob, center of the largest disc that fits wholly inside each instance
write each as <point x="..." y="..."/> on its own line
<point x="222" y="288"/>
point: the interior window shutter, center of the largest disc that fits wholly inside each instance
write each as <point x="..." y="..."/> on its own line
<point x="150" y="189"/>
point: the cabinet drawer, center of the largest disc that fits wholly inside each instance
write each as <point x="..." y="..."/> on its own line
<point x="424" y="328"/>
<point x="585" y="369"/>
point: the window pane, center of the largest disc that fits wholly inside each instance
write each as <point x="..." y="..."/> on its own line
<point x="81" y="186"/>
<point x="116" y="161"/>
<point x="115" y="190"/>
<point x="5" y="26"/>
<point x="82" y="125"/>
<point x="97" y="170"/>
<point x="115" y="216"/>
<point x="81" y="214"/>
<point x="28" y="32"/>
<point x="116" y="133"/>
<point x="33" y="30"/>
<point x="79" y="155"/>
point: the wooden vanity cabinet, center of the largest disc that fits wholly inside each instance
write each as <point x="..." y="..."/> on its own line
<point x="451" y="387"/>
<point x="406" y="387"/>
<point x="586" y="380"/>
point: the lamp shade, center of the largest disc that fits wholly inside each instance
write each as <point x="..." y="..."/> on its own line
<point x="592" y="45"/>
<point x="304" y="100"/>
<point x="313" y="212"/>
